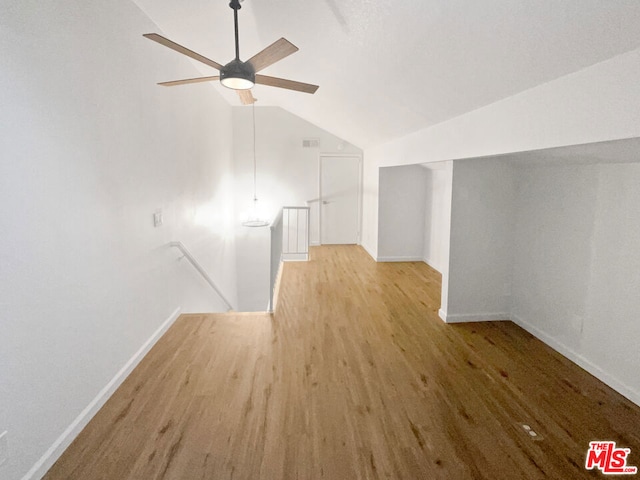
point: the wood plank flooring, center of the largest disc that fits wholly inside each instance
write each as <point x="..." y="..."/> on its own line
<point x="355" y="377"/>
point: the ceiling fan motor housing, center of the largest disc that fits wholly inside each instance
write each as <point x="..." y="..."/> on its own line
<point x="238" y="75"/>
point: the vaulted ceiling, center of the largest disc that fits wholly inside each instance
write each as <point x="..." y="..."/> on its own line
<point x="387" y="68"/>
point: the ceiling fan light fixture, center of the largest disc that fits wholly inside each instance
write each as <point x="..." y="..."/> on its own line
<point x="238" y="75"/>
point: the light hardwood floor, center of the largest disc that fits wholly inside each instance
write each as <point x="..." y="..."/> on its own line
<point x="355" y="377"/>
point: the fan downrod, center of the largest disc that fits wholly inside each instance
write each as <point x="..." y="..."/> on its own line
<point x="236" y="74"/>
<point x="235" y="6"/>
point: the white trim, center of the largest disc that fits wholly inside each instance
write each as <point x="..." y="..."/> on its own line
<point x="369" y="250"/>
<point x="474" y="317"/>
<point x="63" y="441"/>
<point x="428" y="262"/>
<point x="319" y="198"/>
<point x="431" y="264"/>
<point x="360" y="197"/>
<point x="400" y="259"/>
<point x="579" y="360"/>
<point x="443" y="315"/>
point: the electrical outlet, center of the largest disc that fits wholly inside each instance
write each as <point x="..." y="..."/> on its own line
<point x="4" y="447"/>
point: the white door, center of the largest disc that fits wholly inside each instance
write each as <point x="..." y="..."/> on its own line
<point x="339" y="200"/>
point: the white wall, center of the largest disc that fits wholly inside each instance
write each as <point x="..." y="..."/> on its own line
<point x="403" y="200"/>
<point x="551" y="243"/>
<point x="595" y="104"/>
<point x="415" y="214"/>
<point x="287" y="175"/>
<point x="90" y="148"/>
<point x="372" y="160"/>
<point x="437" y="224"/>
<point x="575" y="275"/>
<point x="480" y="255"/>
<point x="599" y="103"/>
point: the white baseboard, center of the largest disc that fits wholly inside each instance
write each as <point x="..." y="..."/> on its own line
<point x="474" y="317"/>
<point x="400" y="259"/>
<point x="63" y="441"/>
<point x="581" y="361"/>
<point x="369" y="251"/>
<point x="432" y="265"/>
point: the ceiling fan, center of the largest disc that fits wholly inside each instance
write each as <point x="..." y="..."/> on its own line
<point x="238" y="75"/>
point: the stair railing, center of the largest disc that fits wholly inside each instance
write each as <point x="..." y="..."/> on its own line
<point x="295" y="238"/>
<point x="289" y="242"/>
<point x="192" y="260"/>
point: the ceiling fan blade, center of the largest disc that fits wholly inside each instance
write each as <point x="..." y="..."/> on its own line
<point x="288" y="84"/>
<point x="179" y="48"/>
<point x="246" y="97"/>
<point x="189" y="80"/>
<point x="276" y="51"/>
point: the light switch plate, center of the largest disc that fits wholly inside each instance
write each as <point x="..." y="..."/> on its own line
<point x="157" y="218"/>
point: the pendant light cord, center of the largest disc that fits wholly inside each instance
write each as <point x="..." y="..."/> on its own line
<point x="253" y="110"/>
<point x="254" y="220"/>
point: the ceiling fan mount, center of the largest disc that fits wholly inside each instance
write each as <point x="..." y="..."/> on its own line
<point x="238" y="75"/>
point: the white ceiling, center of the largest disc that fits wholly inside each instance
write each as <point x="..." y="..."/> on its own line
<point x="390" y="67"/>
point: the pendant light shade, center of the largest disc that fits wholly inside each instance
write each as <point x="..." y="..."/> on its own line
<point x="255" y="219"/>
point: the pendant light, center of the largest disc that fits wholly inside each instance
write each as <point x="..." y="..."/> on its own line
<point x="254" y="217"/>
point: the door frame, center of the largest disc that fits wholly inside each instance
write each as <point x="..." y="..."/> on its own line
<point x="357" y="156"/>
